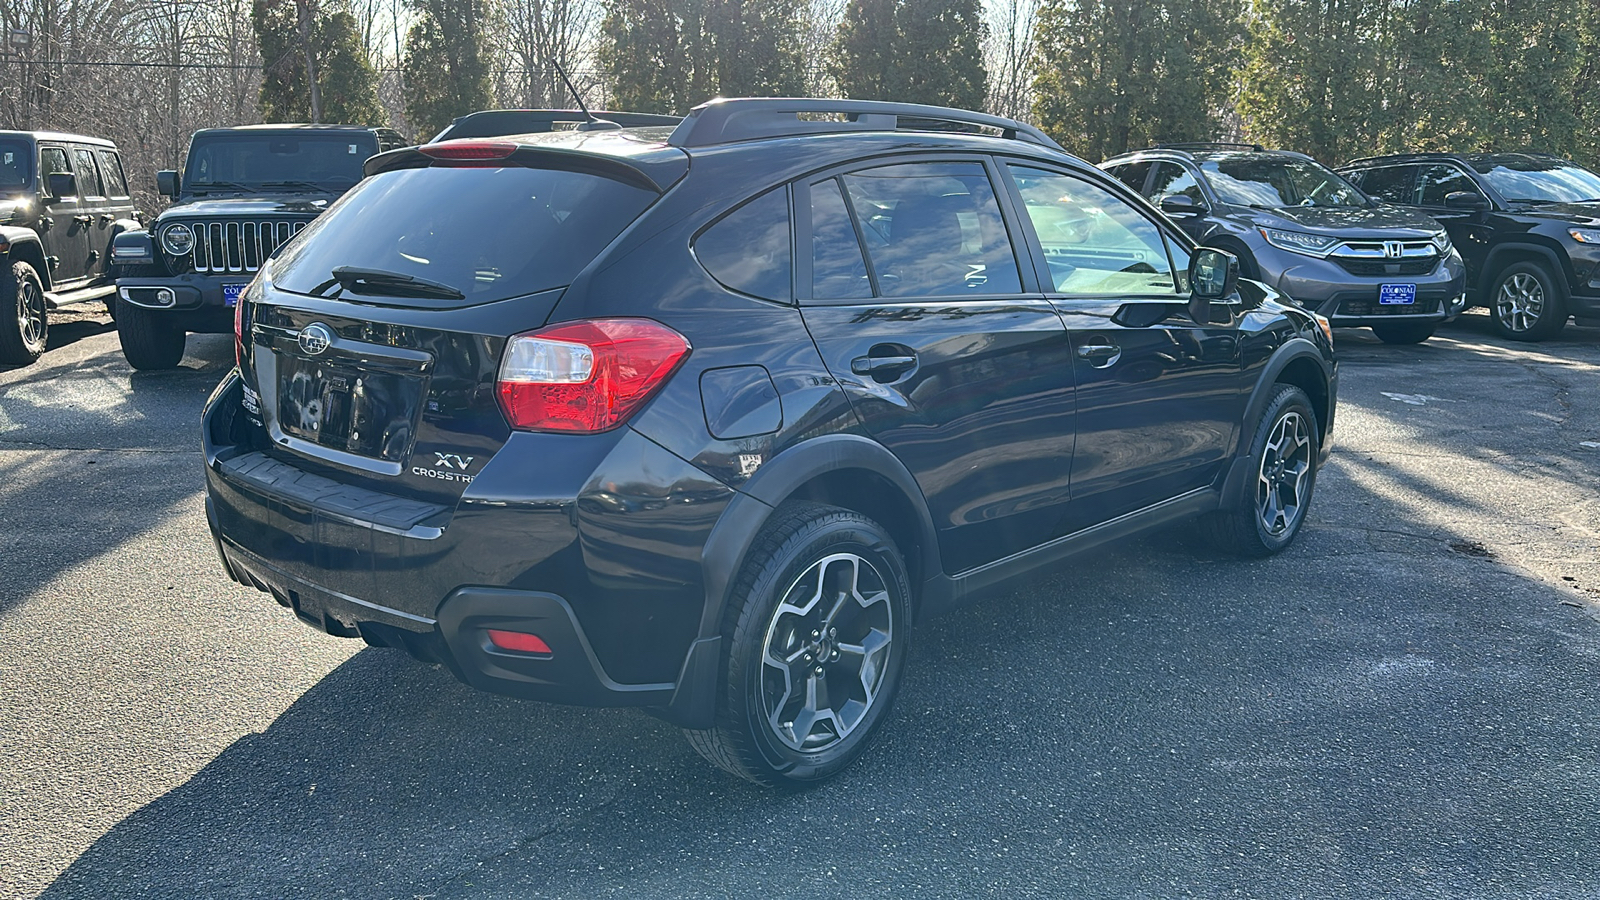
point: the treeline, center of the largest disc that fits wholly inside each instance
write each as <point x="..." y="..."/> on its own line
<point x="1334" y="78"/>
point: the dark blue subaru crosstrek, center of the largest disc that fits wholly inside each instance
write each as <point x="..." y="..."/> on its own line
<point x="704" y="419"/>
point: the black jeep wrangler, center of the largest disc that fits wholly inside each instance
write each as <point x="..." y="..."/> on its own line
<point x="244" y="193"/>
<point x="63" y="198"/>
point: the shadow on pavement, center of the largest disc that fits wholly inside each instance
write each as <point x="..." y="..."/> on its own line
<point x="1374" y="712"/>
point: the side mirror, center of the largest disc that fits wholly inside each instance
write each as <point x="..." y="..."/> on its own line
<point x="167" y="184"/>
<point x="1466" y="200"/>
<point x="1180" y="205"/>
<point x="1213" y="274"/>
<point x="62" y="184"/>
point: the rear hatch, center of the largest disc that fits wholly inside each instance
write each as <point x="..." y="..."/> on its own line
<point x="374" y="341"/>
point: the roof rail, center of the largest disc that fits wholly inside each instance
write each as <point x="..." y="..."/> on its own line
<point x="724" y="121"/>
<point x="1210" y="145"/>
<point x="498" y="122"/>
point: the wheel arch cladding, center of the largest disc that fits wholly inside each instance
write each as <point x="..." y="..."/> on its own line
<point x="1306" y="374"/>
<point x="1505" y="255"/>
<point x="26" y="248"/>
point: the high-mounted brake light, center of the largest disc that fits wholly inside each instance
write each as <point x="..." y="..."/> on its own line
<point x="468" y="150"/>
<point x="586" y="376"/>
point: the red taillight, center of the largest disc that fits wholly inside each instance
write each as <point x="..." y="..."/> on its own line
<point x="518" y="641"/>
<point x="468" y="150"/>
<point x="238" y="332"/>
<point x="586" y="376"/>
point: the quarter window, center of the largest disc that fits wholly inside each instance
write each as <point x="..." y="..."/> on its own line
<point x="1095" y="244"/>
<point x="748" y="249"/>
<point x="933" y="230"/>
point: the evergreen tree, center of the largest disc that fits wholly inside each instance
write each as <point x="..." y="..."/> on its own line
<point x="1116" y="75"/>
<point x="913" y="51"/>
<point x="446" y="66"/>
<point x="670" y="55"/>
<point x="347" y="84"/>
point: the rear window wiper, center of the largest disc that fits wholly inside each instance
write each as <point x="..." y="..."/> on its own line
<point x="378" y="281"/>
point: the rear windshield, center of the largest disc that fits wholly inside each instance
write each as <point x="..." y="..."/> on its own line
<point x="263" y="162"/>
<point x="15" y="168"/>
<point x="488" y="233"/>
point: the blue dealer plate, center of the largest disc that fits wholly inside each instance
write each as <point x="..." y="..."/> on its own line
<point x="1397" y="294"/>
<point x="231" y="292"/>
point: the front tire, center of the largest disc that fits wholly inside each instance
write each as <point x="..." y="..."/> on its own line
<point x="1283" y="455"/>
<point x="1404" y="333"/>
<point x="817" y="630"/>
<point x="1527" y="303"/>
<point x="25" y="319"/>
<point x="149" y="340"/>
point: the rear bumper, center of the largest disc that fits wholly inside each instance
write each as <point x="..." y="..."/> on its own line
<point x="570" y="546"/>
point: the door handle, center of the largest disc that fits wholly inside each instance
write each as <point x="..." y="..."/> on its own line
<point x="46" y="222"/>
<point x="106" y="219"/>
<point x="83" y="220"/>
<point x="1100" y="354"/>
<point x="883" y="368"/>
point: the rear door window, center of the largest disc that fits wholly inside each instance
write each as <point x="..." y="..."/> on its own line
<point x="1131" y="174"/>
<point x="88" y="176"/>
<point x="749" y="250"/>
<point x="838" y="271"/>
<point x="1388" y="183"/>
<point x="490" y="234"/>
<point x="933" y="230"/>
<point x="111" y="169"/>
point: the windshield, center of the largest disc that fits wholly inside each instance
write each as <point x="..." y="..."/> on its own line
<point x="1547" y="181"/>
<point x="16" y="166"/>
<point x="260" y="162"/>
<point x="1276" y="182"/>
<point x="487" y="234"/>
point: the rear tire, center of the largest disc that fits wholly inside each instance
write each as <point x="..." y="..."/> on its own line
<point x="824" y="590"/>
<point x="24" y="317"/>
<point x="1527" y="303"/>
<point x="1407" y="333"/>
<point x="149" y="341"/>
<point x="1283" y="454"/>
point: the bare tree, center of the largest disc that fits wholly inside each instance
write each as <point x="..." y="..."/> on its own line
<point x="1008" y="55"/>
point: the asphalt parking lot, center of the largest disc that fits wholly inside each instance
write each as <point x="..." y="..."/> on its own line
<point x="1406" y="704"/>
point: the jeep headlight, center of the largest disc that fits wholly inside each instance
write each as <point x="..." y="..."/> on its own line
<point x="1585" y="235"/>
<point x="1298" y="242"/>
<point x="177" y="240"/>
<point x="1441" y="243"/>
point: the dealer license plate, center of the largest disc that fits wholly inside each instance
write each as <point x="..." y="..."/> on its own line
<point x="231" y="292"/>
<point x="1397" y="294"/>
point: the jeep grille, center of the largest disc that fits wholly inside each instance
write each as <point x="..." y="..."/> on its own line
<point x="238" y="246"/>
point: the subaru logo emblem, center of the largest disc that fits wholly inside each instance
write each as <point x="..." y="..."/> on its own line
<point x="315" y="338"/>
<point x="1393" y="249"/>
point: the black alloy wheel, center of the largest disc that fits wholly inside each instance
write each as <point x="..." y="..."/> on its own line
<point x="25" y="323"/>
<point x="1283" y="453"/>
<point x="818" y="628"/>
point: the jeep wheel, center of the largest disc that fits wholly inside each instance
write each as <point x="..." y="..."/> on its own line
<point x="25" y="322"/>
<point x="817" y="630"/>
<point x="1283" y="455"/>
<point x="1404" y="333"/>
<point x="1528" y="303"/>
<point x="149" y="341"/>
